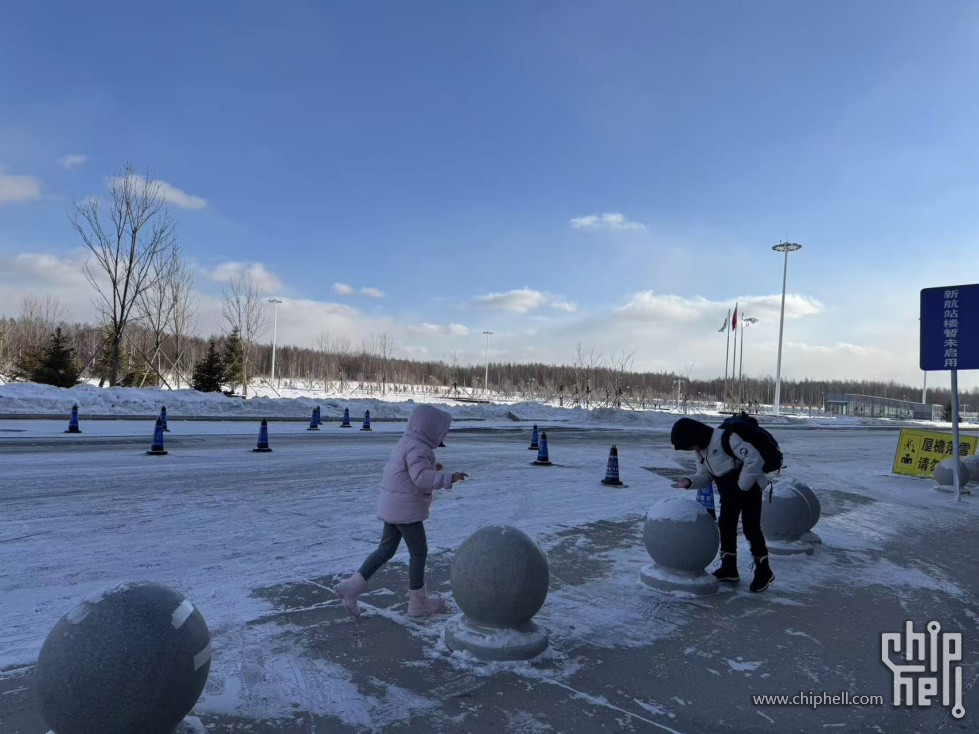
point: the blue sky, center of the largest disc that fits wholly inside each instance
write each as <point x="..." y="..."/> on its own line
<point x="443" y="152"/>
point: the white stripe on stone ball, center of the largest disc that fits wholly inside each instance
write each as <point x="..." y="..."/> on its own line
<point x="181" y="613"/>
<point x="202" y="657"/>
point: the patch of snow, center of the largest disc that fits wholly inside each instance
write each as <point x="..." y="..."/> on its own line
<point x="676" y="509"/>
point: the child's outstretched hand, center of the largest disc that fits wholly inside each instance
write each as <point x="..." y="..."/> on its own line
<point x="459" y="477"/>
<point x="681" y="484"/>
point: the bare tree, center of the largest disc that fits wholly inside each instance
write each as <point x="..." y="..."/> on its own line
<point x="124" y="250"/>
<point x="385" y="351"/>
<point x="243" y="309"/>
<point x="183" y="321"/>
<point x="155" y="306"/>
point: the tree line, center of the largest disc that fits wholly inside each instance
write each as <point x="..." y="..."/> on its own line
<point x="147" y="336"/>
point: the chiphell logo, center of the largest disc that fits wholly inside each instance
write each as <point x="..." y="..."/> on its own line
<point x="925" y="668"/>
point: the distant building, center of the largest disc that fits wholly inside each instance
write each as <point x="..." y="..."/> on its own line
<point x="866" y="406"/>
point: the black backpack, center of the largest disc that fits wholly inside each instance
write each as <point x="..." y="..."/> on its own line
<point x="747" y="429"/>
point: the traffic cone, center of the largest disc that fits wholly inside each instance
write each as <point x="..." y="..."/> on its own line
<point x="313" y="422"/>
<point x="612" y="469"/>
<point x="441" y="444"/>
<point x="73" y="421"/>
<point x="263" y="439"/>
<point x="534" y="440"/>
<point x="163" y="418"/>
<point x="319" y="416"/>
<point x="157" y="448"/>
<point x="542" y="459"/>
<point x="367" y="421"/>
<point x="346" y="419"/>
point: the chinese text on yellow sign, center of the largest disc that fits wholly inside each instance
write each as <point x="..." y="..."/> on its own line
<point x="918" y="452"/>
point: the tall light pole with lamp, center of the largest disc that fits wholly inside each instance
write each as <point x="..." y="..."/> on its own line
<point x="487" y="334"/>
<point x="785" y="247"/>
<point x="275" y="322"/>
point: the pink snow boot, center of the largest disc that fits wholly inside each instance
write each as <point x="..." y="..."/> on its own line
<point x="349" y="589"/>
<point x="420" y="604"/>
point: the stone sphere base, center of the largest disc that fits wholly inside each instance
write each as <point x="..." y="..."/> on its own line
<point x="678" y="584"/>
<point x="495" y="644"/>
<point x="790" y="547"/>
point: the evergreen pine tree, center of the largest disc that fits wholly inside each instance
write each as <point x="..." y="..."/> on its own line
<point x="57" y="366"/>
<point x="208" y="372"/>
<point x="232" y="357"/>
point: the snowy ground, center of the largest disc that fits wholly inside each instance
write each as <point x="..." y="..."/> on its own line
<point x="257" y="540"/>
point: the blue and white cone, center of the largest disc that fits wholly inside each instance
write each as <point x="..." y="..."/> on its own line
<point x="73" y="421"/>
<point x="163" y="418"/>
<point x="542" y="459"/>
<point x="705" y="497"/>
<point x="534" y="445"/>
<point x="346" y="419"/>
<point x="263" y="439"/>
<point x="612" y="469"/>
<point x="367" y="421"/>
<point x="314" y="424"/>
<point x="157" y="448"/>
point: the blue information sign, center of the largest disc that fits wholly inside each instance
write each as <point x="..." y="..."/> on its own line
<point x="950" y="328"/>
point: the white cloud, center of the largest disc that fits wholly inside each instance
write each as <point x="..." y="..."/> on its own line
<point x="18" y="188"/>
<point x="609" y="220"/>
<point x="172" y="195"/>
<point x="647" y="305"/>
<point x="438" y="329"/>
<point x="73" y="160"/>
<point x="525" y="300"/>
<point x="343" y="289"/>
<point x="267" y="281"/>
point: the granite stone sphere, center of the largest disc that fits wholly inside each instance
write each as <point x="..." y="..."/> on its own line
<point x="811" y="497"/>
<point x="944" y="473"/>
<point x="499" y="577"/>
<point x="788" y="516"/>
<point x="680" y="535"/>
<point x="131" y="658"/>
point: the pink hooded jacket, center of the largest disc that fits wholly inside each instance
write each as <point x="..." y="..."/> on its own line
<point x="409" y="476"/>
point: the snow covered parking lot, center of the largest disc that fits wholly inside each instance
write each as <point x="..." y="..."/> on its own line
<point x="257" y="540"/>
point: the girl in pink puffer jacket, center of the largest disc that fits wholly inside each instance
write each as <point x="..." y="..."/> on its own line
<point x="410" y="477"/>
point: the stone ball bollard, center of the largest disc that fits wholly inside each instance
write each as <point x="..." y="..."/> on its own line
<point x="815" y="508"/>
<point x="130" y="658"/>
<point x="786" y="517"/>
<point x="499" y="580"/>
<point x="682" y="539"/>
<point x="945" y="474"/>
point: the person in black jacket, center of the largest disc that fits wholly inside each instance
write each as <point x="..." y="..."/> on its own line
<point x="738" y="470"/>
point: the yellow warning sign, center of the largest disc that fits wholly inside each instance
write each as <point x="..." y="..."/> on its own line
<point x="918" y="452"/>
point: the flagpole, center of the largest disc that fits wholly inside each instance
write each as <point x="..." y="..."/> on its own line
<point x="727" y="355"/>
<point x="741" y="373"/>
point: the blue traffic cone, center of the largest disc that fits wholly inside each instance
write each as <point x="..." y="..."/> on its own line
<point x="441" y="444"/>
<point x="612" y="469"/>
<point x="319" y="415"/>
<point x="157" y="448"/>
<point x="534" y="445"/>
<point x="163" y="418"/>
<point x="314" y="424"/>
<point x="367" y="421"/>
<point x="542" y="459"/>
<point x="73" y="421"/>
<point x="263" y="439"/>
<point x="346" y="419"/>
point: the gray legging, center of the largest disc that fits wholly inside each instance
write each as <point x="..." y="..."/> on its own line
<point x="414" y="535"/>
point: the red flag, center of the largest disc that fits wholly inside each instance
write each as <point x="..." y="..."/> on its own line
<point x="734" y="319"/>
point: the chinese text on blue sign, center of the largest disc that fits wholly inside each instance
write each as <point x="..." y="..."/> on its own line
<point x="950" y="328"/>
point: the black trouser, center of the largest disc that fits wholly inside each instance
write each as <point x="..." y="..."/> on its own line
<point x="414" y="535"/>
<point x="735" y="502"/>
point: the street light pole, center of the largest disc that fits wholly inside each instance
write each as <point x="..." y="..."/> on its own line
<point x="785" y="247"/>
<point x="487" y="334"/>
<point x="275" y="323"/>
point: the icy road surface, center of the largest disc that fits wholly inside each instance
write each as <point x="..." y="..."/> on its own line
<point x="257" y="540"/>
